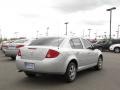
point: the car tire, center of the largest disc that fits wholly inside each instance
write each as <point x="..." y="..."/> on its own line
<point x="99" y="65"/>
<point x="5" y="54"/>
<point x="117" y="50"/>
<point x="13" y="58"/>
<point x="101" y="49"/>
<point x="71" y="72"/>
<point x="30" y="75"/>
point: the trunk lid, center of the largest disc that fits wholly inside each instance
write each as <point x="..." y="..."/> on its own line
<point x="34" y="52"/>
<point x="13" y="45"/>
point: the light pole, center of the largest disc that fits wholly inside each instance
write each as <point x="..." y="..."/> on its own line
<point x="37" y="34"/>
<point x="0" y="34"/>
<point x="95" y="35"/>
<point x="66" y="28"/>
<point x="47" y="31"/>
<point x="89" y="32"/>
<point x="83" y="33"/>
<point x="16" y="34"/>
<point x="110" y="9"/>
<point x="118" y="32"/>
<point x="105" y="34"/>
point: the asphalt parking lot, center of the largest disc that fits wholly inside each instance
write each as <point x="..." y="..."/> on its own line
<point x="107" y="79"/>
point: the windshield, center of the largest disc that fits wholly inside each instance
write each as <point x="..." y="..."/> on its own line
<point x="52" y="41"/>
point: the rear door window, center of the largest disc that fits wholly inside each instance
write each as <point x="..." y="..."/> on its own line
<point x="87" y="44"/>
<point x="76" y="43"/>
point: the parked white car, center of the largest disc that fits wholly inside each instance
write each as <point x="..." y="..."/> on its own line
<point x="4" y="45"/>
<point x="115" y="48"/>
<point x="58" y="55"/>
<point x="13" y="48"/>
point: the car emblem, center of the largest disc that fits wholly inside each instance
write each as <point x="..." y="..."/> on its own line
<point x="31" y="53"/>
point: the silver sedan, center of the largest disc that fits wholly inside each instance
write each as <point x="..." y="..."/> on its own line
<point x="13" y="48"/>
<point x="58" y="55"/>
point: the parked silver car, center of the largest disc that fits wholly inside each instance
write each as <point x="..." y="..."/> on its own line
<point x="58" y="55"/>
<point x="115" y="48"/>
<point x="4" y="45"/>
<point x="13" y="48"/>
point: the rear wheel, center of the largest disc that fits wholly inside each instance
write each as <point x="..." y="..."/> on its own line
<point x="100" y="48"/>
<point x="71" y="72"/>
<point x="13" y="58"/>
<point x="30" y="75"/>
<point x="99" y="65"/>
<point x="117" y="50"/>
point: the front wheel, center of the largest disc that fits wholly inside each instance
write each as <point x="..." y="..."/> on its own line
<point x="71" y="72"/>
<point x="117" y="50"/>
<point x="99" y="65"/>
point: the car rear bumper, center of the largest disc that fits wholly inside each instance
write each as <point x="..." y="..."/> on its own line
<point x="11" y="52"/>
<point x="50" y="66"/>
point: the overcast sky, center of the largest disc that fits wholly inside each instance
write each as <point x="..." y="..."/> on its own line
<point x="29" y="16"/>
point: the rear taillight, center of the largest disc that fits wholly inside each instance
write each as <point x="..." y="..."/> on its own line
<point x="19" y="53"/>
<point x="19" y="46"/>
<point x="52" y="54"/>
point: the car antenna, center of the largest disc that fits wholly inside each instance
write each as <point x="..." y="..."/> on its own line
<point x="58" y="42"/>
<point x="58" y="39"/>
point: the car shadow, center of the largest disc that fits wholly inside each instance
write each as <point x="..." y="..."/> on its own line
<point x="86" y="72"/>
<point x="42" y="81"/>
<point x="5" y="59"/>
<point x="52" y="80"/>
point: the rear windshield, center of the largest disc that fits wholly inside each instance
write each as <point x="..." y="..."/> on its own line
<point x="51" y="41"/>
<point x="20" y="41"/>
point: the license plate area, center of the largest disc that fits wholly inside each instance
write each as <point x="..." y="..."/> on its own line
<point x="29" y="66"/>
<point x="11" y="47"/>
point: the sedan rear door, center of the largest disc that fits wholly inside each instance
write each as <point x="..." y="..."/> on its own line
<point x="91" y="53"/>
<point x="79" y="51"/>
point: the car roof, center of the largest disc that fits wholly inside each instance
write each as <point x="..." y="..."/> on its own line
<point x="66" y="37"/>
